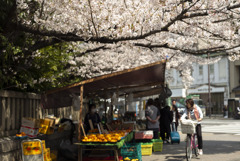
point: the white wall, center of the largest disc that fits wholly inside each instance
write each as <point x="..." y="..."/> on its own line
<point x="219" y="77"/>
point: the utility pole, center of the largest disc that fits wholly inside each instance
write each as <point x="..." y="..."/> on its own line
<point x="209" y="90"/>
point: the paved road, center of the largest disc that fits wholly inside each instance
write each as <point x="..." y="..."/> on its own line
<point x="217" y="147"/>
<point x="221" y="142"/>
<point x="221" y="139"/>
<point x="222" y="126"/>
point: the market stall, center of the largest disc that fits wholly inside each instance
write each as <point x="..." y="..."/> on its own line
<point x="141" y="81"/>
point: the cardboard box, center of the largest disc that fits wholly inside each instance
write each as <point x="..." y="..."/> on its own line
<point x="47" y="154"/>
<point x="57" y="121"/>
<point x="29" y="131"/>
<point x="48" y="121"/>
<point x="43" y="144"/>
<point x="43" y="129"/>
<point x="30" y="122"/>
<point x="44" y="122"/>
<point x="32" y="148"/>
<point x="50" y="131"/>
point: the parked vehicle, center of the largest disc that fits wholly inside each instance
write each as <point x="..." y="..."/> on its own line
<point x="180" y="107"/>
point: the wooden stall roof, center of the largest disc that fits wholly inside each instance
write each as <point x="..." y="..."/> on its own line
<point x="141" y="81"/>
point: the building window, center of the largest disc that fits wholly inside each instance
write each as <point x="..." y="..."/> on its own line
<point x="211" y="69"/>
<point x="200" y="70"/>
<point x="222" y="69"/>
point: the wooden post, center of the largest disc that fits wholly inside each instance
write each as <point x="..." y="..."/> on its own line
<point x="80" y="113"/>
<point x="8" y="114"/>
<point x="117" y="102"/>
<point x="3" y="114"/>
<point x="125" y="103"/>
<point x="105" y="108"/>
<point x="111" y="111"/>
<point x="80" y="124"/>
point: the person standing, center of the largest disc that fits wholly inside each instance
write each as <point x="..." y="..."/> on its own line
<point x="225" y="111"/>
<point x="93" y="116"/>
<point x="194" y="113"/>
<point x="165" y="122"/>
<point x="176" y="117"/>
<point x="152" y="115"/>
<point x="174" y="103"/>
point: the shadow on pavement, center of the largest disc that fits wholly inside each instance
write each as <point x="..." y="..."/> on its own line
<point x="216" y="147"/>
<point x="176" y="152"/>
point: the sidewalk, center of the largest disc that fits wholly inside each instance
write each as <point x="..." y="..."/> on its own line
<point x="217" y="116"/>
<point x="220" y="147"/>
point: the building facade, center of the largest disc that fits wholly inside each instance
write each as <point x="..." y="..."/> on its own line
<point x="235" y="79"/>
<point x="219" y="84"/>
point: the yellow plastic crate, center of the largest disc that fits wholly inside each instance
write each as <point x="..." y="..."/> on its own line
<point x="146" y="148"/>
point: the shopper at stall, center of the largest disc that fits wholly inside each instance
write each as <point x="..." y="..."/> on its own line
<point x="93" y="116"/>
<point x="152" y="115"/>
<point x="165" y="122"/>
<point x="176" y="117"/>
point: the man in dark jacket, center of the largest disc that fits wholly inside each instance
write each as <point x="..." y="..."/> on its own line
<point x="165" y="122"/>
<point x="93" y="116"/>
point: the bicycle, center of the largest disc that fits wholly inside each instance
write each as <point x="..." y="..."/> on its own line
<point x="189" y="127"/>
<point x="191" y="146"/>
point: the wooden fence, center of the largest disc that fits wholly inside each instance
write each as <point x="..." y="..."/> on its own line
<point x="15" y="105"/>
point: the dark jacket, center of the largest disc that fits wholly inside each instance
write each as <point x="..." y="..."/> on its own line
<point x="95" y="120"/>
<point x="177" y="117"/>
<point x="166" y="116"/>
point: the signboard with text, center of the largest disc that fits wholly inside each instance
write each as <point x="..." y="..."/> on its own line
<point x="204" y="89"/>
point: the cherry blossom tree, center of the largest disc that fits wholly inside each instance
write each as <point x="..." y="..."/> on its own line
<point x="171" y="24"/>
<point x="112" y="35"/>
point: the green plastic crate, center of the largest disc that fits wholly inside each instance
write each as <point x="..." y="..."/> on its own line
<point x="157" y="145"/>
<point x="132" y="151"/>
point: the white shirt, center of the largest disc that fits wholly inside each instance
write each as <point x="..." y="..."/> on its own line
<point x="174" y="116"/>
<point x="192" y="114"/>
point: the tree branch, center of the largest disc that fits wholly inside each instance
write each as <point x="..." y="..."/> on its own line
<point x="198" y="14"/>
<point x="215" y="35"/>
<point x="42" y="44"/>
<point x="233" y="6"/>
<point x="218" y="49"/>
<point x="92" y="50"/>
<point x="73" y="37"/>
<point x="91" y="13"/>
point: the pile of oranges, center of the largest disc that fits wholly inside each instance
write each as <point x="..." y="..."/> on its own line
<point x="111" y="137"/>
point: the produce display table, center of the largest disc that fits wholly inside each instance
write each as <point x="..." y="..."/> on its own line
<point x="104" y="146"/>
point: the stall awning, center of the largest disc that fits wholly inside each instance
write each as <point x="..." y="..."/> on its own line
<point x="236" y="89"/>
<point x="141" y="81"/>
